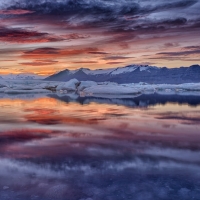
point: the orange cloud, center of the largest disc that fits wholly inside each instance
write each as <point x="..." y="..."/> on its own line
<point x="50" y="53"/>
<point x="40" y="63"/>
<point x="114" y="63"/>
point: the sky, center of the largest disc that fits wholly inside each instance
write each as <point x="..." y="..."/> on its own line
<point x="47" y="36"/>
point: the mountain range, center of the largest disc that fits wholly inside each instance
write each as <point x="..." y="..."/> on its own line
<point x="23" y="76"/>
<point x="132" y="74"/>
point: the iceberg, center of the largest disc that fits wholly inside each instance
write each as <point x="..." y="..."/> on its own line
<point x="110" y="89"/>
<point x="69" y="85"/>
<point x="86" y="84"/>
<point x="92" y="88"/>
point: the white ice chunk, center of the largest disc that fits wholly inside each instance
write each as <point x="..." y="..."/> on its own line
<point x="110" y="89"/>
<point x="86" y="84"/>
<point x="69" y="85"/>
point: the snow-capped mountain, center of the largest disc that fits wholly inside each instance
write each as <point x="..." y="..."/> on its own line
<point x="113" y="71"/>
<point x="133" y="74"/>
<point x="22" y="77"/>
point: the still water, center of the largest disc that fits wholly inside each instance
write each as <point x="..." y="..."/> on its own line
<point x="74" y="148"/>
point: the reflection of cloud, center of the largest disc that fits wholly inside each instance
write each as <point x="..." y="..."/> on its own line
<point x="51" y="117"/>
<point x="87" y="177"/>
<point x="23" y="135"/>
<point x="184" y="117"/>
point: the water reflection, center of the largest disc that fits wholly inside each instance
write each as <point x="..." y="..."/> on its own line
<point x="63" y="148"/>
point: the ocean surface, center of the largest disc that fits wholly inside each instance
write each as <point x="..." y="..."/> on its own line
<point x="66" y="147"/>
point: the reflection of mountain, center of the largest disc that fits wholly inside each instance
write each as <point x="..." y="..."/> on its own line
<point x="141" y="101"/>
<point x="133" y="74"/>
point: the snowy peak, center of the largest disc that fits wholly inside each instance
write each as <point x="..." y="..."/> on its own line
<point x="133" y="74"/>
<point x="112" y="71"/>
<point x="131" y="68"/>
<point x="92" y="72"/>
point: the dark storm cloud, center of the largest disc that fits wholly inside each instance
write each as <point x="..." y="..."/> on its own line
<point x="176" y="22"/>
<point x="101" y="12"/>
<point x="81" y="7"/>
<point x="113" y="7"/>
<point x="177" y="4"/>
<point x="124" y="20"/>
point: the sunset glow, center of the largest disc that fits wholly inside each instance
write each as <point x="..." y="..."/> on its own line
<point x="47" y="36"/>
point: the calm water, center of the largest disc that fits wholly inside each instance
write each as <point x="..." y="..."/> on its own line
<point x="75" y="148"/>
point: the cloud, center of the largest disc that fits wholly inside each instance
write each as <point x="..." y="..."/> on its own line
<point x="20" y="35"/>
<point x="98" y="52"/>
<point x="85" y="62"/>
<point x="120" y="27"/>
<point x="192" y="47"/>
<point x="116" y="58"/>
<point x="39" y="63"/>
<point x="49" y="53"/>
<point x="114" y="63"/>
<point x="44" y="50"/>
<point x="15" y="12"/>
<point x="75" y="36"/>
<point x="109" y="15"/>
<point x="171" y="44"/>
<point x="103" y="7"/>
<point x="188" y="53"/>
<point x="181" y="53"/>
<point x="175" y="22"/>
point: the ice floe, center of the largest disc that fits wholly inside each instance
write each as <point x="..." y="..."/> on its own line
<point x="92" y="88"/>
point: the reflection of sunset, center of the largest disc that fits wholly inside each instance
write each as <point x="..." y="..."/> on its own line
<point x="52" y="142"/>
<point x="50" y="111"/>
